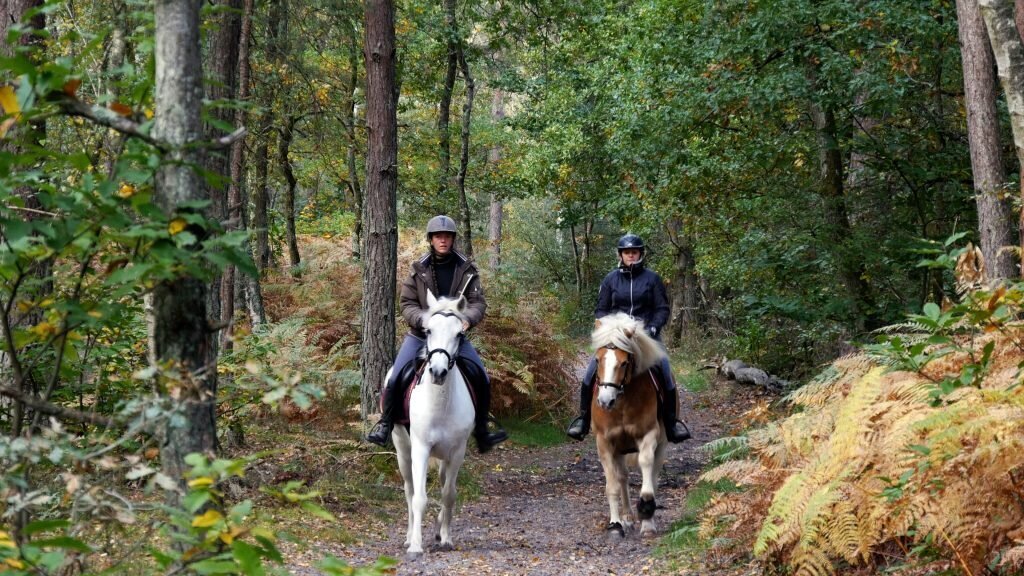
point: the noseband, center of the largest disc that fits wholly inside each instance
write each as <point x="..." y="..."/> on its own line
<point x="620" y="386"/>
<point x="451" y="359"/>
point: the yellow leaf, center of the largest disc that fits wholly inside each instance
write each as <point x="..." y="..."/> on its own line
<point x="95" y="313"/>
<point x="9" y="101"/>
<point x="126" y="191"/>
<point x="44" y="329"/>
<point x="14" y="563"/>
<point x="201" y="482"/>
<point x="208" y="519"/>
<point x="176" y="225"/>
<point x="265" y="534"/>
<point x="149" y="113"/>
<point x="228" y="536"/>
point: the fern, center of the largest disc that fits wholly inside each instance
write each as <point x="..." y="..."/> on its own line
<point x="741" y="472"/>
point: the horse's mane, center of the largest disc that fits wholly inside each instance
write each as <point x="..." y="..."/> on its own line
<point x="454" y="306"/>
<point x="625" y="333"/>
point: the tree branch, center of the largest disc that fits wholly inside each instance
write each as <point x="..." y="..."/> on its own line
<point x="58" y="411"/>
<point x="105" y="117"/>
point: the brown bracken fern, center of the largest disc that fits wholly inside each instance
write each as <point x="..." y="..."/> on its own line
<point x="873" y="460"/>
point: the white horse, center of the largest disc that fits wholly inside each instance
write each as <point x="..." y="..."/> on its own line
<point x="440" y="420"/>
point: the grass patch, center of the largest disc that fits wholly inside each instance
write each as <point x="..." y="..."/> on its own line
<point x="683" y="535"/>
<point x="695" y="381"/>
<point x="534" y="434"/>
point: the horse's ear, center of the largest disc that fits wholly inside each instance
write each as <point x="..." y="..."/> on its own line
<point x="597" y="323"/>
<point x="629" y="332"/>
<point x="431" y="301"/>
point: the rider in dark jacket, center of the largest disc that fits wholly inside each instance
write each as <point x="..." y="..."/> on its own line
<point x="633" y="289"/>
<point x="444" y="272"/>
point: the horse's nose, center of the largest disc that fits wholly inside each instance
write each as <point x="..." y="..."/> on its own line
<point x="439" y="374"/>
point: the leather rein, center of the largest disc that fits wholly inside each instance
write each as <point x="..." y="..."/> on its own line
<point x="451" y="359"/>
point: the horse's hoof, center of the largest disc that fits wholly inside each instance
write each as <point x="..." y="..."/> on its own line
<point x="413" y="556"/>
<point x="648" y="529"/>
<point x="437" y="537"/>
<point x="446" y="547"/>
<point x="615" y="531"/>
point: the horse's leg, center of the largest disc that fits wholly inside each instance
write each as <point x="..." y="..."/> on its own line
<point x="419" y="461"/>
<point x="612" y="486"/>
<point x="400" y="437"/>
<point x="649" y="459"/>
<point x="622" y="474"/>
<point x="449" y="477"/>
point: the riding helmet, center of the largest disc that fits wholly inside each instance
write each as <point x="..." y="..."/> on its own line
<point x="440" y="223"/>
<point x="631" y="241"/>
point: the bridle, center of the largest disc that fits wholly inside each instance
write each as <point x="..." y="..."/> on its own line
<point x="619" y="386"/>
<point x="451" y="359"/>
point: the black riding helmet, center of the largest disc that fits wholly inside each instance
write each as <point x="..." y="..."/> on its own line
<point x="632" y="241"/>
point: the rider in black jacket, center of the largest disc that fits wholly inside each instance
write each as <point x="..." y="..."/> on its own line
<point x="633" y="289"/>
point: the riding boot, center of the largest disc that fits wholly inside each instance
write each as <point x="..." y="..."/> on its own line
<point x="381" y="432"/>
<point x="485" y="439"/>
<point x="674" y="428"/>
<point x="393" y="399"/>
<point x="579" y="427"/>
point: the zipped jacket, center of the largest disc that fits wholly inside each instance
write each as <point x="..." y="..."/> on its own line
<point x="466" y="281"/>
<point x="636" y="291"/>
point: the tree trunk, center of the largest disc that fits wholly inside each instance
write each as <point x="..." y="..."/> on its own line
<point x="830" y="164"/>
<point x="1009" y="56"/>
<point x="995" y="214"/>
<point x="222" y="68"/>
<point x="460" y="178"/>
<point x="261" y="198"/>
<point x="381" y="225"/>
<point x="445" y="106"/>
<point x="685" y="287"/>
<point x="353" y="142"/>
<point x="181" y="333"/>
<point x="497" y="206"/>
<point x="289" y="192"/>
<point x="237" y="196"/>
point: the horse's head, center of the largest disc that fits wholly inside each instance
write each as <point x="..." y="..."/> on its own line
<point x="614" y="370"/>
<point x="624" y="350"/>
<point x="444" y="334"/>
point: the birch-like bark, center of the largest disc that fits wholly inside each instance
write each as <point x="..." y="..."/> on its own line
<point x="460" y="177"/>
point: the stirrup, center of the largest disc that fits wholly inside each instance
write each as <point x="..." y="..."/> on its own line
<point x="579" y="428"/>
<point x="380" y="433"/>
<point x="675" y="436"/>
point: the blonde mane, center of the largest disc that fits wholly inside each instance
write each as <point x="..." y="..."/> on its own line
<point x="627" y="334"/>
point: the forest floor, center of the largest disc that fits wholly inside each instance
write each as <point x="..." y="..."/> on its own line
<point x="541" y="510"/>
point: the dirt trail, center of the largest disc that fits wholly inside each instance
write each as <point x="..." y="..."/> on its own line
<point x="543" y="511"/>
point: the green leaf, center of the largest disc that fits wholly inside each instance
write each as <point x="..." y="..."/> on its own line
<point x="317" y="511"/>
<point x="44" y="525"/>
<point x="214" y="566"/>
<point x="248" y="558"/>
<point x="65" y="542"/>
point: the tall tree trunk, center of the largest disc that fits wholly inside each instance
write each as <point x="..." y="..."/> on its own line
<point x="497" y="211"/>
<point x="460" y="178"/>
<point x="289" y="192"/>
<point x="381" y="225"/>
<point x="994" y="211"/>
<point x="353" y="143"/>
<point x="261" y="198"/>
<point x="444" y="152"/>
<point x="1009" y="56"/>
<point x="222" y="69"/>
<point x="181" y="333"/>
<point x="830" y="163"/>
<point x="685" y="285"/>
<point x="237" y="196"/>
<point x="576" y="260"/>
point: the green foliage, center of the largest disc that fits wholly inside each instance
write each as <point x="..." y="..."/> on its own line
<point x="535" y="434"/>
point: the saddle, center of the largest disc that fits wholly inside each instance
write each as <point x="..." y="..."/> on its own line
<point x="409" y="378"/>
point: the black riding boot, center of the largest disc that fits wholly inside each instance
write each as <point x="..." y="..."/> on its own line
<point x="392" y="396"/>
<point x="485" y="439"/>
<point x="381" y="432"/>
<point x="674" y="428"/>
<point x="579" y="427"/>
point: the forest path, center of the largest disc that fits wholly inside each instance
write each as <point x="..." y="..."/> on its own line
<point x="543" y="511"/>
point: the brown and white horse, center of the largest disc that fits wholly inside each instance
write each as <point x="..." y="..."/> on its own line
<point x="625" y="417"/>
